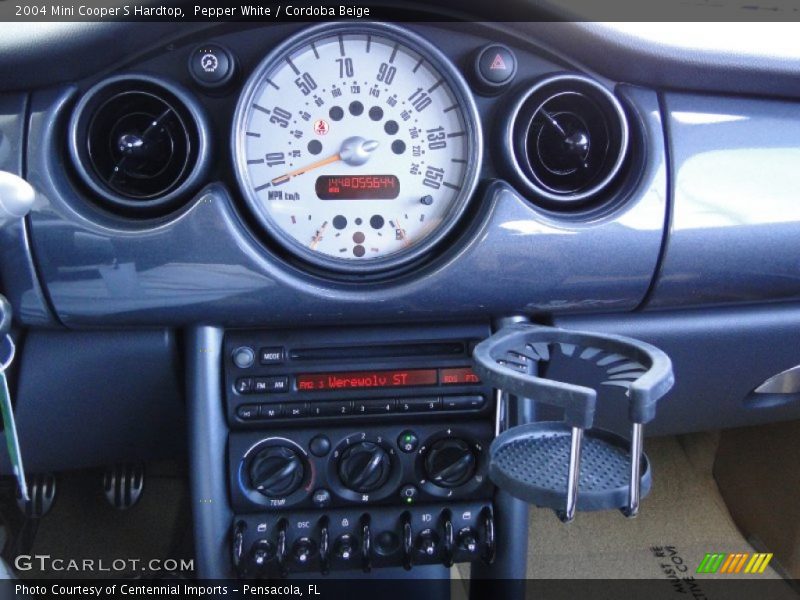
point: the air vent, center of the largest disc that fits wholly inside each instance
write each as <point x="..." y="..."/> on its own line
<point x="569" y="136"/>
<point x="138" y="143"/>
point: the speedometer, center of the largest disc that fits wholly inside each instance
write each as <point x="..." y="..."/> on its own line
<point x="357" y="146"/>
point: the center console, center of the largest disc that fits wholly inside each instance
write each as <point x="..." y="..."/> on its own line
<point x="357" y="448"/>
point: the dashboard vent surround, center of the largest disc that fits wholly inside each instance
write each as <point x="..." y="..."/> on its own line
<point x="569" y="138"/>
<point x="138" y="143"/>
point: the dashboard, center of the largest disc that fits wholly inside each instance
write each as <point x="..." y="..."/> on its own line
<point x="287" y="239"/>
<point x="470" y="200"/>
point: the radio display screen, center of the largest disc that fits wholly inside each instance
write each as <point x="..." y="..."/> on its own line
<point x="351" y="380"/>
<point x="458" y="375"/>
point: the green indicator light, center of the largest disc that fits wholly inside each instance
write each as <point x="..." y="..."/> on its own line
<point x="409" y="500"/>
<point x="408" y="438"/>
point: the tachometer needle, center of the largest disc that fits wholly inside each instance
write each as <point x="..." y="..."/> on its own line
<point x="354" y="151"/>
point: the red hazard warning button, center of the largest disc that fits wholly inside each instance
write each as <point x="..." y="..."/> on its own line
<point x="495" y="67"/>
<point x="498" y="63"/>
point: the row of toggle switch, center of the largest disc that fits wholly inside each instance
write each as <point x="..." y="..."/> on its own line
<point x="273" y="545"/>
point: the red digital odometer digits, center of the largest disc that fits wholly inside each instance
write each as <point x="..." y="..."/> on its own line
<point x="366" y="379"/>
<point x="357" y="187"/>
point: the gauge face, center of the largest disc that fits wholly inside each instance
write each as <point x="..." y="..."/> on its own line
<point x="357" y="147"/>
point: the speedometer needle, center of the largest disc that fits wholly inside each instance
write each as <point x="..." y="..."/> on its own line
<point x="320" y="163"/>
<point x="354" y="151"/>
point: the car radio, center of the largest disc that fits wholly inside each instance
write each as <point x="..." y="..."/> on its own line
<point x="393" y="372"/>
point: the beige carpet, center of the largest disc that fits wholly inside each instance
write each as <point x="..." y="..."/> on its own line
<point x="682" y="519"/>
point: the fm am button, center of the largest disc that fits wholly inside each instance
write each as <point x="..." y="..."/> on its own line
<point x="494" y="69"/>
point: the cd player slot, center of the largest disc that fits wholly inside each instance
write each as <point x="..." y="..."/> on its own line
<point x="440" y="349"/>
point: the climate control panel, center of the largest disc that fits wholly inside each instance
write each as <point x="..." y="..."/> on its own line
<point x="343" y="466"/>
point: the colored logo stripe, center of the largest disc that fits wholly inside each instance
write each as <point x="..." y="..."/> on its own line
<point x="724" y="563"/>
<point x="711" y="563"/>
<point x="758" y="564"/>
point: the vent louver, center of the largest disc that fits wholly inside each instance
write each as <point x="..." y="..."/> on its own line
<point x="136" y="143"/>
<point x="569" y="139"/>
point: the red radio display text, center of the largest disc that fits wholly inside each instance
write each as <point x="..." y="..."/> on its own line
<point x="365" y="379"/>
<point x="456" y="376"/>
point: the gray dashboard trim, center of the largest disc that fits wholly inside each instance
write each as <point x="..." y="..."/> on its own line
<point x="513" y="258"/>
<point x="736" y="217"/>
<point x="734" y="58"/>
<point x="19" y="278"/>
<point x="208" y="439"/>
<point x="706" y="58"/>
<point x="719" y="356"/>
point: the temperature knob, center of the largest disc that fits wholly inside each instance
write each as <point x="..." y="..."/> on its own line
<point x="276" y="471"/>
<point x="450" y="463"/>
<point x="364" y="467"/>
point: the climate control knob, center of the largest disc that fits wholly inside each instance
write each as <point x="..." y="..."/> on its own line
<point x="364" y="467"/>
<point x="450" y="463"/>
<point x="276" y="471"/>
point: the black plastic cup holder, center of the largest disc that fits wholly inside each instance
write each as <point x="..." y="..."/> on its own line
<point x="568" y="465"/>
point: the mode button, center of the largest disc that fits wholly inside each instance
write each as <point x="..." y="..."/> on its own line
<point x="270" y="356"/>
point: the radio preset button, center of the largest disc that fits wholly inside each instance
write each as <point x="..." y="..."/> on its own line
<point x="331" y="409"/>
<point x="247" y="412"/>
<point x="271" y="411"/>
<point x="271" y="356"/>
<point x="296" y="410"/>
<point x="462" y="402"/>
<point x="244" y="385"/>
<point x="379" y="407"/>
<point x="419" y="404"/>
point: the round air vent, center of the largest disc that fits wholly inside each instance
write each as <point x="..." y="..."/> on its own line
<point x="139" y="143"/>
<point x="568" y="135"/>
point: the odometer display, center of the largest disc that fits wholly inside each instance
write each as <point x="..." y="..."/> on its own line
<point x="345" y="112"/>
<point x="357" y="187"/>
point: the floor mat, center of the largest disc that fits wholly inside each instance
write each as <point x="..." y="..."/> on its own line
<point x="83" y="525"/>
<point x="682" y="519"/>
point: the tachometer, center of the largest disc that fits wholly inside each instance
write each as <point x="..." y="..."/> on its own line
<point x="357" y="146"/>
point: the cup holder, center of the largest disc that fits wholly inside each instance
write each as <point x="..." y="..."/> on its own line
<point x="570" y="465"/>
